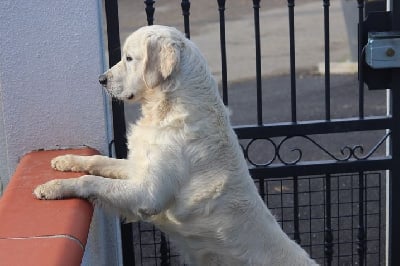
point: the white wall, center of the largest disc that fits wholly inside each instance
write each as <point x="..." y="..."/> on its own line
<point x="50" y="58"/>
<point x="49" y="64"/>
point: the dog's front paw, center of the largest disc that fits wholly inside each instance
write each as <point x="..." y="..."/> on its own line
<point x="50" y="190"/>
<point x="64" y="163"/>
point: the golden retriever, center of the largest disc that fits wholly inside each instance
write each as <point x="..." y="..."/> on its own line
<point x="185" y="170"/>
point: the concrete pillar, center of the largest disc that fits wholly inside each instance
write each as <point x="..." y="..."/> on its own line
<point x="51" y="53"/>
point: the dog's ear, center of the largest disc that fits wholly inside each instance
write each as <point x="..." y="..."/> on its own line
<point x="162" y="57"/>
<point x="169" y="58"/>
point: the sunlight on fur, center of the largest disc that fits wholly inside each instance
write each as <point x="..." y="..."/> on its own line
<point x="185" y="171"/>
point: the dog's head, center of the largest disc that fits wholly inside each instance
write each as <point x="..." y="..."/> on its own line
<point x="151" y="55"/>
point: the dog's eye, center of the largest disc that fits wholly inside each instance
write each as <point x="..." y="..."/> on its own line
<point x="128" y="58"/>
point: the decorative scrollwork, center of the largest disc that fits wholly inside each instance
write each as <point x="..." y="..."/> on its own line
<point x="247" y="149"/>
<point x="356" y="152"/>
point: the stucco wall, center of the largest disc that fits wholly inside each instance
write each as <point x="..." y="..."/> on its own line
<point x="49" y="64"/>
<point x="50" y="57"/>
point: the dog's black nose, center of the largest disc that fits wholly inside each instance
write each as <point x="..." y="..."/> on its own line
<point x="103" y="79"/>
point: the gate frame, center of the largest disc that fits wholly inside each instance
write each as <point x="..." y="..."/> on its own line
<point x="290" y="129"/>
<point x="393" y="256"/>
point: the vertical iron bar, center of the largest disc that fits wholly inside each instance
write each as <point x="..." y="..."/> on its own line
<point x="267" y="194"/>
<point x="185" y="5"/>
<point x="140" y="242"/>
<point x="328" y="220"/>
<point x="309" y="216"/>
<point x="365" y="217"/>
<point x="164" y="251"/>
<point x="338" y="214"/>
<point x="296" y="209"/>
<point x="221" y="9"/>
<point x="256" y="7"/>
<point x="327" y="61"/>
<point x="352" y="217"/>
<point x="380" y="218"/>
<point x="292" y="60"/>
<point x="361" y="227"/>
<point x="394" y="178"/>
<point x="114" y="56"/>
<point x="360" y="59"/>
<point x="261" y="183"/>
<point x="118" y="115"/>
<point x="281" y="194"/>
<point x="149" y="11"/>
<point x="153" y="230"/>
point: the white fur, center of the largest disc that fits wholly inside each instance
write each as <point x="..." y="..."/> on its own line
<point x="185" y="171"/>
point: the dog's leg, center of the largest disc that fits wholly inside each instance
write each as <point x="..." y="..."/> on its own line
<point x="86" y="186"/>
<point x="127" y="196"/>
<point x="95" y="165"/>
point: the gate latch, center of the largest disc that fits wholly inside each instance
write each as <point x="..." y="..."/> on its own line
<point x="383" y="50"/>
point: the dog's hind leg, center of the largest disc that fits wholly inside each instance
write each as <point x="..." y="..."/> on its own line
<point x="95" y="165"/>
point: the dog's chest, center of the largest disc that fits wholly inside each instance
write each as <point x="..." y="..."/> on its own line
<point x="145" y="136"/>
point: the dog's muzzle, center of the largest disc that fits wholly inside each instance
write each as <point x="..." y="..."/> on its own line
<point x="103" y="80"/>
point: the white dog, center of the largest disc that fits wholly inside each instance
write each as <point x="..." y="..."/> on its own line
<point x="185" y="170"/>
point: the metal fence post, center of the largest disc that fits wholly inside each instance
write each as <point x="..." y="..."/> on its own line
<point x="119" y="127"/>
<point x="394" y="179"/>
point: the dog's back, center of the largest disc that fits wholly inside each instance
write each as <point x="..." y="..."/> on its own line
<point x="218" y="217"/>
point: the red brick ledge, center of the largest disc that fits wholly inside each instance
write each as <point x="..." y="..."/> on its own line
<point x="37" y="232"/>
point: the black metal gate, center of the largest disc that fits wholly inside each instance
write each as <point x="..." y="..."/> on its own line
<point x="332" y="202"/>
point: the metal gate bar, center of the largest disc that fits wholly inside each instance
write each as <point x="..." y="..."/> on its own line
<point x="394" y="178"/>
<point x="185" y="5"/>
<point x="328" y="236"/>
<point x="360" y="51"/>
<point x="326" y="5"/>
<point x="149" y="11"/>
<point x="361" y="231"/>
<point x="361" y="236"/>
<point x="118" y="116"/>
<point x="296" y="222"/>
<point x="221" y="9"/>
<point x="256" y="7"/>
<point x="292" y="61"/>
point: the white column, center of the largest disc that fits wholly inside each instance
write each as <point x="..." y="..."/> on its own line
<point x="51" y="53"/>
